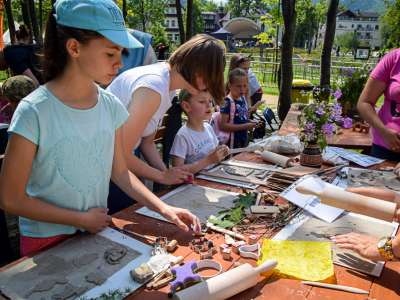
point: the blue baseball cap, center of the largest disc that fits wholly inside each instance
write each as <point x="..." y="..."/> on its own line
<point x="102" y="16"/>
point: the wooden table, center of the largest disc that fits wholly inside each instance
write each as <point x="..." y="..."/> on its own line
<point x="346" y="139"/>
<point x="387" y="287"/>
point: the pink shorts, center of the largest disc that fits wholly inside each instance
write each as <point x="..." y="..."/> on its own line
<point x="30" y="245"/>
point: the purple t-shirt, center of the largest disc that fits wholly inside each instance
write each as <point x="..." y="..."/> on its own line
<point x="388" y="71"/>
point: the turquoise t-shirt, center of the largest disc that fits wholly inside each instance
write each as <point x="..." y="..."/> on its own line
<point x="75" y="149"/>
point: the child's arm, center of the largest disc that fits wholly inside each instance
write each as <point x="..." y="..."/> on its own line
<point x="14" y="177"/>
<point x="254" y="108"/>
<point x="131" y="185"/>
<point x="226" y="126"/>
<point x="214" y="157"/>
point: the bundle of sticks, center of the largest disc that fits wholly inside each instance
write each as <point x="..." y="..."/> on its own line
<point x="280" y="181"/>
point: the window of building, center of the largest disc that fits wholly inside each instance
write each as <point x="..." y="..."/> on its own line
<point x="352" y="25"/>
<point x="376" y="27"/>
<point x="173" y="23"/>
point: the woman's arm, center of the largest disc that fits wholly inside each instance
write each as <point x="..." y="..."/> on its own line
<point x="14" y="176"/>
<point x="366" y="106"/>
<point x="131" y="185"/>
<point x="226" y="126"/>
<point x="150" y="152"/>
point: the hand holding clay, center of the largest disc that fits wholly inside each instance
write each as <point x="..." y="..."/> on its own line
<point x="175" y="175"/>
<point x="181" y="217"/>
<point x="95" y="219"/>
<point x="364" y="245"/>
<point x="218" y="154"/>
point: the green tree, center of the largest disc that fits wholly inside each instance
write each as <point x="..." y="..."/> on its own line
<point x="144" y="13"/>
<point x="271" y="21"/>
<point x="245" y="8"/>
<point x="307" y="23"/>
<point x="347" y="41"/>
<point x="159" y="34"/>
<point x="390" y="29"/>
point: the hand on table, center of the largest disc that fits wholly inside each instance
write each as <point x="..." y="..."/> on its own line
<point x="182" y="217"/>
<point x="95" y="219"/>
<point x="364" y="245"/>
<point x="175" y="175"/>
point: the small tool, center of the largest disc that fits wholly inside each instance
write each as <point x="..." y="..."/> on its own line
<point x="336" y="287"/>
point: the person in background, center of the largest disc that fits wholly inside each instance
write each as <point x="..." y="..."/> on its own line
<point x="255" y="90"/>
<point x="136" y="57"/>
<point x="65" y="138"/>
<point x="23" y="57"/>
<point x="238" y="88"/>
<point x="195" y="145"/>
<point x="14" y="89"/>
<point x="383" y="80"/>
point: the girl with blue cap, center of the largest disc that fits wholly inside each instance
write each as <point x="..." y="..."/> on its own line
<point x="65" y="137"/>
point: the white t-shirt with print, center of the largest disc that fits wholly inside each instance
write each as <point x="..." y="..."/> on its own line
<point x="154" y="77"/>
<point x="194" y="145"/>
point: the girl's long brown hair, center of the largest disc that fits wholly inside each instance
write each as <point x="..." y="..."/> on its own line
<point x="55" y="52"/>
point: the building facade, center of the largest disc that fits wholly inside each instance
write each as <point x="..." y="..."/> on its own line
<point x="171" y="23"/>
<point x="364" y="24"/>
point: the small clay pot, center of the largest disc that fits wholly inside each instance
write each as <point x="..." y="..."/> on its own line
<point x="311" y="156"/>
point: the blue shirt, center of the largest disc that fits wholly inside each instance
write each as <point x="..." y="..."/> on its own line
<point x="241" y="116"/>
<point x="75" y="149"/>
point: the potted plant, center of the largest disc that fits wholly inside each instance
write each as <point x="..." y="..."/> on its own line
<point x="350" y="87"/>
<point x="317" y="121"/>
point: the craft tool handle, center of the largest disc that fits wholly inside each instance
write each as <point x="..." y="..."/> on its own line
<point x="225" y="285"/>
<point x="336" y="287"/>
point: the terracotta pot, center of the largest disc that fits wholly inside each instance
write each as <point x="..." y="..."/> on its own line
<point x="311" y="156"/>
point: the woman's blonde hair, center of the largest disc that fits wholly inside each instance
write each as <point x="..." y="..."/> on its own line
<point x="203" y="56"/>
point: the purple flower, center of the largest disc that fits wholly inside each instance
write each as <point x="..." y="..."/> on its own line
<point x="347" y="122"/>
<point x="328" y="128"/>
<point x="320" y="110"/>
<point x="348" y="71"/>
<point x="337" y="94"/>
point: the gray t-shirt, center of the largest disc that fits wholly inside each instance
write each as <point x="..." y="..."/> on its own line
<point x="194" y="145"/>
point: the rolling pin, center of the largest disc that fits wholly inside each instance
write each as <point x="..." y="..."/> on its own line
<point x="227" y="284"/>
<point x="276" y="159"/>
<point x="338" y="197"/>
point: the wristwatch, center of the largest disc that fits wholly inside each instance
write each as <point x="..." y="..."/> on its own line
<point x="385" y="248"/>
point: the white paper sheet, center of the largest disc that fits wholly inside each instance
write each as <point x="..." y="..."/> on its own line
<point x="360" y="159"/>
<point x="311" y="203"/>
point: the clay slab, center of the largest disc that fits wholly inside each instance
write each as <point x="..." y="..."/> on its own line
<point x="201" y="201"/>
<point x="70" y="262"/>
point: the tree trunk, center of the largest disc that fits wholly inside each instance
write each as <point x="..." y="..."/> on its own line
<point x="124" y="11"/>
<point x="325" y="79"/>
<point x="289" y="20"/>
<point x="178" y="8"/>
<point x="34" y="23"/>
<point x="41" y="18"/>
<point x="189" y="19"/>
<point x="143" y="15"/>
<point x="26" y="17"/>
<point x="10" y="19"/>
